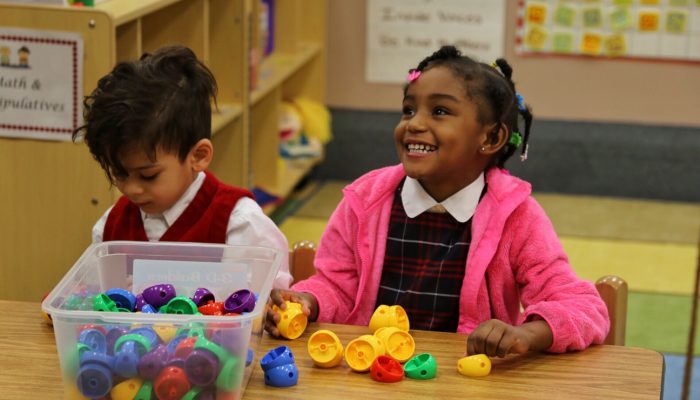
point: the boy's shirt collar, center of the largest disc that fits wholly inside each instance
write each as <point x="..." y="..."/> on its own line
<point x="460" y="206"/>
<point x="173" y="213"/>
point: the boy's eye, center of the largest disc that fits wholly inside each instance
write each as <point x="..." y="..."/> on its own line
<point x="149" y="177"/>
<point x="407" y="110"/>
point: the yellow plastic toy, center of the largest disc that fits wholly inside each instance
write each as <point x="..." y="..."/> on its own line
<point x="399" y="344"/>
<point x="389" y="316"/>
<point x="126" y="390"/>
<point x="325" y="348"/>
<point x="362" y="351"/>
<point x="165" y="332"/>
<point x="292" y="320"/>
<point x="475" y="366"/>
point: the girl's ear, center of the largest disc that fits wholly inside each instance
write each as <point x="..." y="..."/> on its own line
<point x="201" y="154"/>
<point x="494" y="139"/>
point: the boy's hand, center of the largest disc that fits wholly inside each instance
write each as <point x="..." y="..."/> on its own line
<point x="309" y="306"/>
<point x="495" y="338"/>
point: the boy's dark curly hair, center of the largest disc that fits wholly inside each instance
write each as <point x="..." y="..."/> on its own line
<point x="491" y="89"/>
<point x="161" y="101"/>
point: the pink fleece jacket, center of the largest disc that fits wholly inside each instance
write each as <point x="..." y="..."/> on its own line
<point x="515" y="258"/>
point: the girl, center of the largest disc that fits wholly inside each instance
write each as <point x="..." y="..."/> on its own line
<point x="449" y="234"/>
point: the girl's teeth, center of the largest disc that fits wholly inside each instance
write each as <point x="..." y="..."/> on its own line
<point x="420" y="148"/>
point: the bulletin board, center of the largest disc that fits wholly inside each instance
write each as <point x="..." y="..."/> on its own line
<point x="400" y="33"/>
<point x="647" y="29"/>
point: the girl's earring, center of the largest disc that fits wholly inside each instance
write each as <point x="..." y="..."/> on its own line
<point x="483" y="148"/>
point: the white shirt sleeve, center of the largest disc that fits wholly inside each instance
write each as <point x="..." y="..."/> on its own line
<point x="99" y="227"/>
<point x="248" y="225"/>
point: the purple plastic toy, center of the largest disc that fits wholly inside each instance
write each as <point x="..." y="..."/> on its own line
<point x="240" y="301"/>
<point x="159" y="295"/>
<point x="201" y="367"/>
<point x="202" y="296"/>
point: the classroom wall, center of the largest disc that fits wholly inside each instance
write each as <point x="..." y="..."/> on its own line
<point x="560" y="88"/>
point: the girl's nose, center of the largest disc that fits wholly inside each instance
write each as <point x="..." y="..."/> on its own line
<point x="416" y="124"/>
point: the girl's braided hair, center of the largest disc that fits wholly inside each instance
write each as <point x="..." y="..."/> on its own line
<point x="493" y="91"/>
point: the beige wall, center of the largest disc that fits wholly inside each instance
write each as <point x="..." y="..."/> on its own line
<point x="575" y="88"/>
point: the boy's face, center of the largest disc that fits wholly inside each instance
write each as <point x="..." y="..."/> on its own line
<point x="155" y="186"/>
<point x="438" y="139"/>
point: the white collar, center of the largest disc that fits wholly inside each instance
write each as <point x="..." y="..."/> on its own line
<point x="460" y="205"/>
<point x="173" y="213"/>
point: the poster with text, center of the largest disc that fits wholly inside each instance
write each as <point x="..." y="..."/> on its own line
<point x="651" y="29"/>
<point x="400" y="33"/>
<point x="41" y="83"/>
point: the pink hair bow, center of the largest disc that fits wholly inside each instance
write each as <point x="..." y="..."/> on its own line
<point x="413" y="75"/>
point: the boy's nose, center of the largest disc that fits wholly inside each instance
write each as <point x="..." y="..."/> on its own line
<point x="131" y="188"/>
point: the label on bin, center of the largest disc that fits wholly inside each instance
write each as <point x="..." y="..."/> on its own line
<point x="221" y="279"/>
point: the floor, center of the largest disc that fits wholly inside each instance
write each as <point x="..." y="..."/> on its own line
<point x="651" y="244"/>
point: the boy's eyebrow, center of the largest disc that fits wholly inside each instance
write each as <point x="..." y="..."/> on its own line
<point x="146" y="166"/>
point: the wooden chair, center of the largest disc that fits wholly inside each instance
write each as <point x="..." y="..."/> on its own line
<point x="612" y="289"/>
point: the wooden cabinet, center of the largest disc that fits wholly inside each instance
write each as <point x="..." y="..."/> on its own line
<point x="53" y="192"/>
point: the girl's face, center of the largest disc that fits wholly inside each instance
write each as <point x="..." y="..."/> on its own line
<point x="155" y="186"/>
<point x="439" y="138"/>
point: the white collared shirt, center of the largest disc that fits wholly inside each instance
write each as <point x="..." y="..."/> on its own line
<point x="460" y="206"/>
<point x="247" y="225"/>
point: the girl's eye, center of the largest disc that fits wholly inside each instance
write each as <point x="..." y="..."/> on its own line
<point x="440" y="111"/>
<point x="407" y="111"/>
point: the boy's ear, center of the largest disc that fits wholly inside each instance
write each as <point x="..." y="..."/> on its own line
<point x="201" y="154"/>
<point x="494" y="139"/>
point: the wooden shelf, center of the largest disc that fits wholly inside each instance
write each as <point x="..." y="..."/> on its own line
<point x="123" y="11"/>
<point x="274" y="70"/>
<point x="226" y="114"/>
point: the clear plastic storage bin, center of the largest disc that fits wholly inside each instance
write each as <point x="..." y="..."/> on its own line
<point x="120" y="355"/>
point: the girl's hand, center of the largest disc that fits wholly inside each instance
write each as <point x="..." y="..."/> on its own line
<point x="309" y="306"/>
<point x="495" y="338"/>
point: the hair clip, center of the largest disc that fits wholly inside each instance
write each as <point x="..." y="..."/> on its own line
<point x="516" y="139"/>
<point x="523" y="156"/>
<point x="521" y="104"/>
<point x="413" y="75"/>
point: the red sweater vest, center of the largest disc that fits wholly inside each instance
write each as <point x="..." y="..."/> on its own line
<point x="205" y="219"/>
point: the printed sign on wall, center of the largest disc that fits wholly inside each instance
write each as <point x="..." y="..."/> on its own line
<point x="400" y="33"/>
<point x="41" y="83"/>
<point x="658" y="29"/>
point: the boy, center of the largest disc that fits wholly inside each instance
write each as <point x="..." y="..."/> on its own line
<point x="148" y="124"/>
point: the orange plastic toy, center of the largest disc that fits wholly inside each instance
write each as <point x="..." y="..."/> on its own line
<point x="325" y="348"/>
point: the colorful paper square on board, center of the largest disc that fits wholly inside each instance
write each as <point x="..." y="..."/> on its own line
<point x="679" y="3"/>
<point x="592" y="17"/>
<point x="564" y="15"/>
<point x="648" y="21"/>
<point x="536" y="38"/>
<point x="676" y="22"/>
<point x="620" y="19"/>
<point x="591" y="43"/>
<point x="615" y="46"/>
<point x="562" y="42"/>
<point x="536" y="13"/>
<point x="623" y="2"/>
<point x="649" y="2"/>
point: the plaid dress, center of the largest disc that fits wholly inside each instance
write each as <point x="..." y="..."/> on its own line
<point x="424" y="266"/>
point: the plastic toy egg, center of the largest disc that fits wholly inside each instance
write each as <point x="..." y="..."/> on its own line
<point x="126" y="390"/>
<point x="422" y="366"/>
<point x="292" y="320"/>
<point x="399" y="344"/>
<point x="386" y="369"/>
<point x="476" y="366"/>
<point x="325" y="348"/>
<point x="389" y="316"/>
<point x="362" y="351"/>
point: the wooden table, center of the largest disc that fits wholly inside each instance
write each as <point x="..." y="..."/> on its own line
<point x="29" y="369"/>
